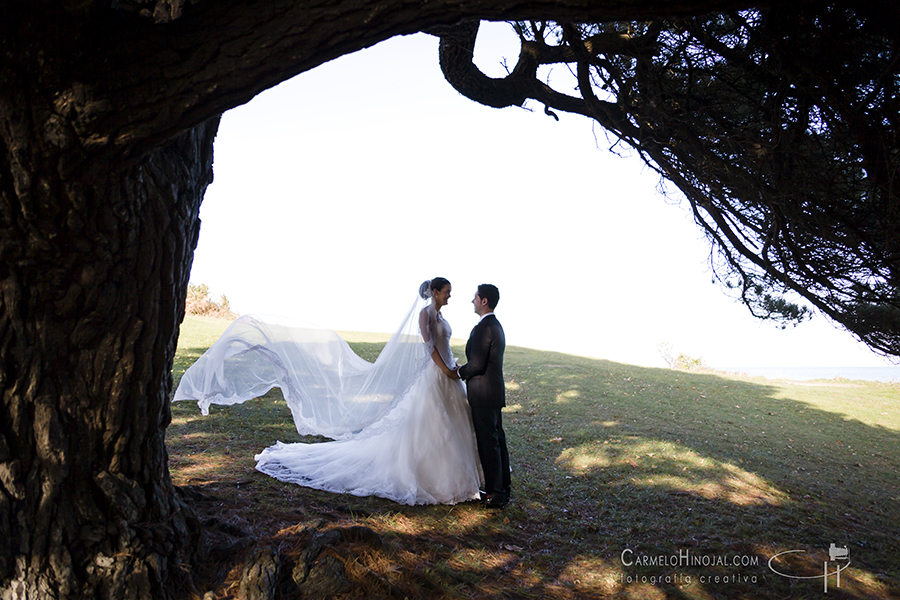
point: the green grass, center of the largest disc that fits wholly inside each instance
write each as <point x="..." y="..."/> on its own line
<point x="606" y="458"/>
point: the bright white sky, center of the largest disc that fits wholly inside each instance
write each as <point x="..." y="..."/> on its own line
<point x="338" y="192"/>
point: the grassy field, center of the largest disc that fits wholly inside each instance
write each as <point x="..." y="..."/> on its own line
<point x="629" y="482"/>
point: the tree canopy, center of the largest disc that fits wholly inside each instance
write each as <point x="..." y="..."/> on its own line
<point x="779" y="126"/>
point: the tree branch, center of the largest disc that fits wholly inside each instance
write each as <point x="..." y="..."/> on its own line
<point x="137" y="75"/>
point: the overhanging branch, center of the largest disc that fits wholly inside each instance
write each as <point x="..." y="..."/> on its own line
<point x="139" y="81"/>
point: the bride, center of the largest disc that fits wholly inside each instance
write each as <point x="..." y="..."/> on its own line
<point x="401" y="425"/>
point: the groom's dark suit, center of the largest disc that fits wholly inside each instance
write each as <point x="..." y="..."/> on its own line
<point x="483" y="374"/>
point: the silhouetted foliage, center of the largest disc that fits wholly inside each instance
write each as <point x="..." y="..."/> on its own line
<point x="200" y="303"/>
<point x="779" y="126"/>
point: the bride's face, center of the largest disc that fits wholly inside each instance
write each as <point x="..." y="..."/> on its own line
<point x="441" y="296"/>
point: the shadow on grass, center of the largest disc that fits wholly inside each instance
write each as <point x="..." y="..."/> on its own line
<point x="658" y="462"/>
<point x="628" y="482"/>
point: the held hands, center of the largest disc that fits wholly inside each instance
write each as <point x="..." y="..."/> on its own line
<point x="453" y="373"/>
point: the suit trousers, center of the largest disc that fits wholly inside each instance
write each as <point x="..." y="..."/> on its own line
<point x="492" y="451"/>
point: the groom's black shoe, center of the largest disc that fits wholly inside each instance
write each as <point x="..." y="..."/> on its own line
<point x="496" y="500"/>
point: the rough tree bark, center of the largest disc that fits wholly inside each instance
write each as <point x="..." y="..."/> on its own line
<point x="95" y="255"/>
<point x="92" y="284"/>
<point x="107" y="120"/>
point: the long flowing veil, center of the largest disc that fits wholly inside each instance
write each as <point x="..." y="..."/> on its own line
<point x="329" y="389"/>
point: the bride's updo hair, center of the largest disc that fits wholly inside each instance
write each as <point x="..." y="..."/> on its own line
<point x="430" y="285"/>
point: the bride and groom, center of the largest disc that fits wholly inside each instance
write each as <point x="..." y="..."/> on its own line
<point x="405" y="427"/>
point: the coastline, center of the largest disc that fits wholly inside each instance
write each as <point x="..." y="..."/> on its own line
<point x="885" y="374"/>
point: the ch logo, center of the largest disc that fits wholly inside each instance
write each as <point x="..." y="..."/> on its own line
<point x="835" y="553"/>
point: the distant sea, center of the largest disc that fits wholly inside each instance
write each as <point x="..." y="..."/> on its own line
<point x="807" y="373"/>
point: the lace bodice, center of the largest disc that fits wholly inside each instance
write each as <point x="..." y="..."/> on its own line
<point x="436" y="332"/>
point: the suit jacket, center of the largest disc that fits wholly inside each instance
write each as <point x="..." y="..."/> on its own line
<point x="483" y="373"/>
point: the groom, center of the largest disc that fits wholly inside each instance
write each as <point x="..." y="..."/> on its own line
<point x="483" y="374"/>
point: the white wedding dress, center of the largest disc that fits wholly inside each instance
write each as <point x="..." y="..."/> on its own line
<point x="402" y="428"/>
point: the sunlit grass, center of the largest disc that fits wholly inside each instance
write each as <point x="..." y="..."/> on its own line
<point x="605" y="457"/>
<point x="674" y="468"/>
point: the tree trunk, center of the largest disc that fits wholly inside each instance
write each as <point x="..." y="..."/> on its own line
<point x="93" y="275"/>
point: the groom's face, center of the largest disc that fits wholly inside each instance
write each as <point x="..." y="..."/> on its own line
<point x="480" y="304"/>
